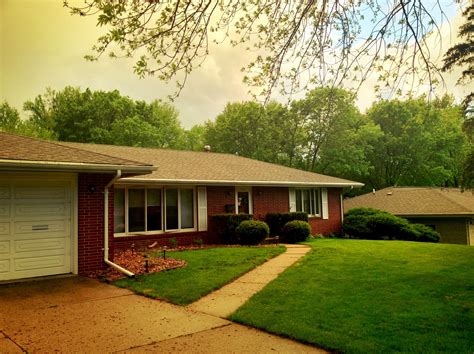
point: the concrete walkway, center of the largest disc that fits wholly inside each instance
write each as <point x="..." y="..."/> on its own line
<point x="226" y="300"/>
<point x="82" y="315"/>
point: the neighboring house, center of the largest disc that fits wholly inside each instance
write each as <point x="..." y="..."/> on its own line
<point x="55" y="198"/>
<point x="449" y="211"/>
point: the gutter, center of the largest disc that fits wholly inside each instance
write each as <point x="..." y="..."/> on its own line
<point x="106" y="227"/>
<point x="129" y="180"/>
<point x="72" y="166"/>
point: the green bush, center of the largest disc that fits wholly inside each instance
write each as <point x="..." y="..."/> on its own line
<point x="296" y="231"/>
<point x="252" y="232"/>
<point x="355" y="222"/>
<point x="276" y="221"/>
<point x="426" y="233"/>
<point x="373" y="224"/>
<point x="387" y="226"/>
<point x="224" y="226"/>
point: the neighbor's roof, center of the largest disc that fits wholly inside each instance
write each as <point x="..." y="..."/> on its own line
<point x="416" y="201"/>
<point x="24" y="152"/>
<point x="175" y="166"/>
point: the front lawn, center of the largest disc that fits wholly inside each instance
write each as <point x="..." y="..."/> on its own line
<point x="207" y="270"/>
<point x="372" y="296"/>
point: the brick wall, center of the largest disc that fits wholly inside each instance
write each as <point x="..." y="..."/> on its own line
<point x="334" y="223"/>
<point x="90" y="218"/>
<point x="270" y="200"/>
<point x="91" y="221"/>
<point x="218" y="197"/>
<point x="163" y="239"/>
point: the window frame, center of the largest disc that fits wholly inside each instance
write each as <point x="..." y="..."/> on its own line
<point x="163" y="230"/>
<point x="314" y="200"/>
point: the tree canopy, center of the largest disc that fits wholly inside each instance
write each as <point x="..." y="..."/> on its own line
<point x="410" y="142"/>
<point x="104" y="117"/>
<point x="297" y="44"/>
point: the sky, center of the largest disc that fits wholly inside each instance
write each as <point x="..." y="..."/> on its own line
<point x="42" y="45"/>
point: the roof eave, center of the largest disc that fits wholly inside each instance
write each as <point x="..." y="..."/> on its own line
<point x="239" y="183"/>
<point x="450" y="215"/>
<point x="24" y="165"/>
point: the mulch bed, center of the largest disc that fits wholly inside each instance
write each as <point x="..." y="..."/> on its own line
<point x="135" y="262"/>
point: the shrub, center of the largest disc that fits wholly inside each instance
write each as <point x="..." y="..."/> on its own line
<point x="252" y="232"/>
<point x="173" y="242"/>
<point x="224" y="226"/>
<point x="198" y="242"/>
<point x="296" y="231"/>
<point x="387" y="226"/>
<point x="276" y="221"/>
<point x="426" y="233"/>
<point x="373" y="224"/>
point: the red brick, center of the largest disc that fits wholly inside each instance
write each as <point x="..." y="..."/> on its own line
<point x="91" y="221"/>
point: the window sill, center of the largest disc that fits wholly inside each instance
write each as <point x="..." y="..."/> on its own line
<point x="152" y="233"/>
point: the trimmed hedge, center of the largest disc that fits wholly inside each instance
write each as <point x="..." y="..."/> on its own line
<point x="276" y="221"/>
<point x="252" y="232"/>
<point x="296" y="231"/>
<point x="225" y="225"/>
<point x="373" y="224"/>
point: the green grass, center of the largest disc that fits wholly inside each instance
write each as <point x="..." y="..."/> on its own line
<point x="207" y="270"/>
<point x="372" y="296"/>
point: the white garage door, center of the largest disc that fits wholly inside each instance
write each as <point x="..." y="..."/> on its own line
<point x="36" y="225"/>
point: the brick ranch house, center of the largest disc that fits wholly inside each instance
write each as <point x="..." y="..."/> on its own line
<point x="55" y="198"/>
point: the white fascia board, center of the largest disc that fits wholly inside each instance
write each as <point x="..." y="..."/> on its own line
<point x="133" y="180"/>
<point x="456" y="215"/>
<point x="9" y="165"/>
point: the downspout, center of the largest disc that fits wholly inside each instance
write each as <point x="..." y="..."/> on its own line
<point x="106" y="227"/>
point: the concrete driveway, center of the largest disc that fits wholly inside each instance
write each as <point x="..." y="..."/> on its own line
<point x="83" y="315"/>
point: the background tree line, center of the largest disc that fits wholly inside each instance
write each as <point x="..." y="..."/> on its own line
<point x="410" y="142"/>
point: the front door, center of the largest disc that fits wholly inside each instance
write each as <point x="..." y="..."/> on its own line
<point x="243" y="203"/>
<point x="243" y="200"/>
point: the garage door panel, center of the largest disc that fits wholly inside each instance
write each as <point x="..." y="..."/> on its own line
<point x="4" y="247"/>
<point x="41" y="210"/>
<point x="4" y="229"/>
<point x="41" y="228"/>
<point x="4" y="266"/>
<point x="4" y="192"/>
<point x="40" y="263"/>
<point x="45" y="192"/>
<point x="4" y="210"/>
<point x="42" y="247"/>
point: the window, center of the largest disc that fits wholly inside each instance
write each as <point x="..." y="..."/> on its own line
<point x="171" y="203"/>
<point x="308" y="201"/>
<point x="136" y="210"/>
<point x="187" y="203"/>
<point x="153" y="209"/>
<point x="142" y="210"/>
<point x="119" y="211"/>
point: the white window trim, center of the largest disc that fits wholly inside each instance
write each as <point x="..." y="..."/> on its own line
<point x="165" y="230"/>
<point x="163" y="211"/>
<point x="312" y="193"/>
<point x="243" y="189"/>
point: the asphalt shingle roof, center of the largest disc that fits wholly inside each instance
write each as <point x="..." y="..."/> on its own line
<point x="212" y="167"/>
<point x="413" y="201"/>
<point x="21" y="148"/>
